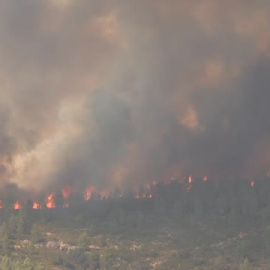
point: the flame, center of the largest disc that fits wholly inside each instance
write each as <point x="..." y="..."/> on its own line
<point x="148" y="195"/>
<point x="205" y="178"/>
<point x="50" y="201"/>
<point x="36" y="205"/>
<point x="144" y="196"/>
<point x="88" y="193"/>
<point x="66" y="191"/>
<point x="17" y="205"/>
<point x="148" y="192"/>
<point x="188" y="185"/>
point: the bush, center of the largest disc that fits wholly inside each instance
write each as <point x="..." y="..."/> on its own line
<point x="249" y="246"/>
<point x="245" y="265"/>
<point x="94" y="261"/>
<point x="77" y="256"/>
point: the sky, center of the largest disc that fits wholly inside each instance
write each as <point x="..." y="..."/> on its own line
<point x="119" y="93"/>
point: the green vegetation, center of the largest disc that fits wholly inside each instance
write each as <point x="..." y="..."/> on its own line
<point x="9" y="264"/>
<point x="211" y="227"/>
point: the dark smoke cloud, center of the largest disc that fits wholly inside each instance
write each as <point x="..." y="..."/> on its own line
<point x="119" y="93"/>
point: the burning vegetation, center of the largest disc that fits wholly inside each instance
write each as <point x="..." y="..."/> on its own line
<point x="62" y="199"/>
<point x="65" y="197"/>
<point x="174" y="213"/>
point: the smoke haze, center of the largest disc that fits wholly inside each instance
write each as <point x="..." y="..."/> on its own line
<point x="119" y="93"/>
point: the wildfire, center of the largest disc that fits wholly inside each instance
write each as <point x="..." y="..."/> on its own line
<point x="146" y="192"/>
<point x="17" y="205"/>
<point x="188" y="184"/>
<point x="205" y="178"/>
<point x="88" y="193"/>
<point x="66" y="191"/>
<point x="36" y="205"/>
<point x="144" y="196"/>
<point x="50" y="201"/>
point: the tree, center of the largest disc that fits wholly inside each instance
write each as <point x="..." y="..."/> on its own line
<point x="5" y="236"/>
<point x="221" y="205"/>
<point x="12" y="224"/>
<point x="198" y="208"/>
<point x="5" y="242"/>
<point x="84" y="240"/>
<point x="59" y="200"/>
<point x="177" y="210"/>
<point x="23" y="223"/>
<point x="5" y="229"/>
<point x="266" y="237"/>
<point x="36" y="235"/>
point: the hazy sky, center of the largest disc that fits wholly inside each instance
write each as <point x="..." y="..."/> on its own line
<point x="116" y="93"/>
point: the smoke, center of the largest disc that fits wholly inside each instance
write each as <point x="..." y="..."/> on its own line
<point x="119" y="93"/>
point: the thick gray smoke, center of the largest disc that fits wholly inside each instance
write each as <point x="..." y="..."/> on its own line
<point x="119" y="93"/>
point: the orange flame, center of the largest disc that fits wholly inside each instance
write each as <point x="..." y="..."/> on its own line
<point x="66" y="192"/>
<point x="148" y="192"/>
<point x="88" y="193"/>
<point x="17" y="205"/>
<point x="36" y="205"/>
<point x="188" y="185"/>
<point x="50" y="201"/>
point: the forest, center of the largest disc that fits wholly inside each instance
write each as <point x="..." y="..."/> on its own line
<point x="198" y="224"/>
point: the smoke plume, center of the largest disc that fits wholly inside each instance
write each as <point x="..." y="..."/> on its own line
<point x="120" y="93"/>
